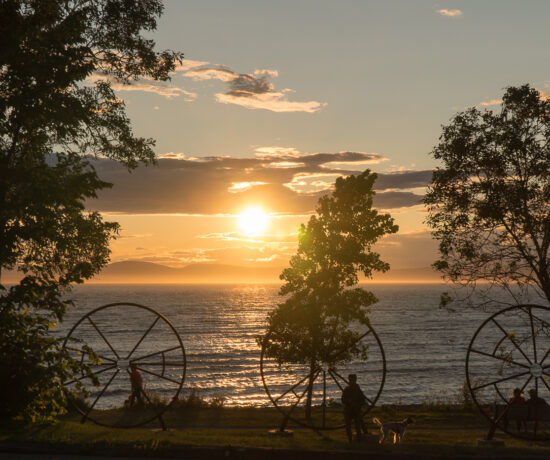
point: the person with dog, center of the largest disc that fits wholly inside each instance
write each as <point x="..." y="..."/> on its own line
<point x="353" y="400"/>
<point x="137" y="385"/>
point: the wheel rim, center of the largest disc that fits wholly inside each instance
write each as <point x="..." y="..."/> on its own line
<point x="516" y="342"/>
<point x="288" y="398"/>
<point x="156" y="349"/>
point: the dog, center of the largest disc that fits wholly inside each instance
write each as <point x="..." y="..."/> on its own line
<point x="397" y="428"/>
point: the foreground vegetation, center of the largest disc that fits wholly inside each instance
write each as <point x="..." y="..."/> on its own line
<point x="439" y="429"/>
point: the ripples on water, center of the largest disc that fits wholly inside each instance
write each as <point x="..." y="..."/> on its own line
<point x="425" y="347"/>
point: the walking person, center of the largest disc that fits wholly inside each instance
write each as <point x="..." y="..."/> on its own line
<point x="353" y="400"/>
<point x="137" y="385"/>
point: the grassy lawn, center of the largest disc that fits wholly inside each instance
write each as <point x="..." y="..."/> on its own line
<point x="439" y="430"/>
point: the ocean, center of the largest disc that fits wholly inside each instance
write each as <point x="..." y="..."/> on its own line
<point x="425" y="346"/>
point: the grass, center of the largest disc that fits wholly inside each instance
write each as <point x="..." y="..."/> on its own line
<point x="438" y="429"/>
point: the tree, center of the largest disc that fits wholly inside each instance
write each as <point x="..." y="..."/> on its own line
<point x="313" y="325"/>
<point x="489" y="204"/>
<point x="52" y="117"/>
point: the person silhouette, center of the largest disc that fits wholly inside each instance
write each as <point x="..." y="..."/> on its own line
<point x="352" y="400"/>
<point x="536" y="404"/>
<point x="137" y="385"/>
<point x="517" y="400"/>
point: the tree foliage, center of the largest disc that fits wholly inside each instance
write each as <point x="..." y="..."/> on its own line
<point x="54" y="112"/>
<point x="489" y="204"/>
<point x="314" y="324"/>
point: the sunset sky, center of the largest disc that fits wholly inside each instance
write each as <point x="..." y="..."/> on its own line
<point x="276" y="99"/>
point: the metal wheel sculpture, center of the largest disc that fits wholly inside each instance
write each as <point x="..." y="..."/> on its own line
<point x="123" y="335"/>
<point x="287" y="385"/>
<point x="511" y="350"/>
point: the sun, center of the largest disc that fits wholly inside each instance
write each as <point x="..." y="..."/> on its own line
<point x="253" y="220"/>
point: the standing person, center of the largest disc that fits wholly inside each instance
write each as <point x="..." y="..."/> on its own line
<point x="137" y="385"/>
<point x="353" y="399"/>
<point x="516" y="400"/>
<point x="537" y="405"/>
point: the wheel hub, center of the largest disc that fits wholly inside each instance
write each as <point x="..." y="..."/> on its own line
<point x="536" y="370"/>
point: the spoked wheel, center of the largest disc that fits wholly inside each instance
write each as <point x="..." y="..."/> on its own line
<point x="287" y="385"/>
<point x="123" y="335"/>
<point x="511" y="350"/>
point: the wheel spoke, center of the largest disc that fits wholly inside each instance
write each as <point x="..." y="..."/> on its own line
<point x="151" y="404"/>
<point x="149" y="401"/>
<point x="103" y="337"/>
<point x="543" y="322"/>
<point x="509" y="336"/>
<point x="504" y="337"/>
<point x="545" y="383"/>
<point x="104" y="358"/>
<point x="143" y="337"/>
<point x="361" y="337"/>
<point x="347" y="383"/>
<point x="291" y="388"/>
<point x="500" y="358"/>
<point x="85" y="416"/>
<point x="300" y="397"/>
<point x="533" y="335"/>
<point x="155" y="353"/>
<point x="70" y="382"/>
<point x="499" y="380"/>
<point x="545" y="356"/>
<point x="159" y="376"/>
<point x="336" y="381"/>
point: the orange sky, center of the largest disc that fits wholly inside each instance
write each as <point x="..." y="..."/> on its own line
<point x="274" y="100"/>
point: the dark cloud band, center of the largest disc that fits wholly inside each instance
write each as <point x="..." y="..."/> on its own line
<point x="212" y="185"/>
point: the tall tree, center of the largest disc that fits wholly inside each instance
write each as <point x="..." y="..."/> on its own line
<point x="489" y="203"/>
<point x="52" y="116"/>
<point x="313" y="325"/>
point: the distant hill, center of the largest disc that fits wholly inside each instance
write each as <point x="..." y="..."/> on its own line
<point x="151" y="273"/>
<point x="147" y="272"/>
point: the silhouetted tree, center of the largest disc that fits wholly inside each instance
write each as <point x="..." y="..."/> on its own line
<point x="52" y="115"/>
<point x="489" y="204"/>
<point x="313" y="325"/>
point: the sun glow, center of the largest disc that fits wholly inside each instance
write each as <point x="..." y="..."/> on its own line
<point x="253" y="220"/>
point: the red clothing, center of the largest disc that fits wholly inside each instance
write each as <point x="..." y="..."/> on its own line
<point x="136" y="380"/>
<point x="519" y="400"/>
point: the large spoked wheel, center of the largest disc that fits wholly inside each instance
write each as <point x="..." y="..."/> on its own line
<point x="287" y="385"/>
<point x="510" y="350"/>
<point x="124" y="335"/>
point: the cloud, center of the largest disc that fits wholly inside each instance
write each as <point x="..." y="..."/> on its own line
<point x="267" y="73"/>
<point x="266" y="239"/>
<point x="490" y="103"/>
<point x="450" y="13"/>
<point x="262" y="152"/>
<point x="252" y="91"/>
<point x="147" y="85"/>
<point x="212" y="73"/>
<point x="408" y="250"/>
<point x="403" y="180"/>
<point x="238" y="187"/>
<point x="392" y="200"/>
<point x="187" y="64"/>
<point x="179" y="184"/>
<point x="274" y="101"/>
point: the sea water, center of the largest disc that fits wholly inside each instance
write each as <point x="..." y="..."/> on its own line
<point x="424" y="346"/>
